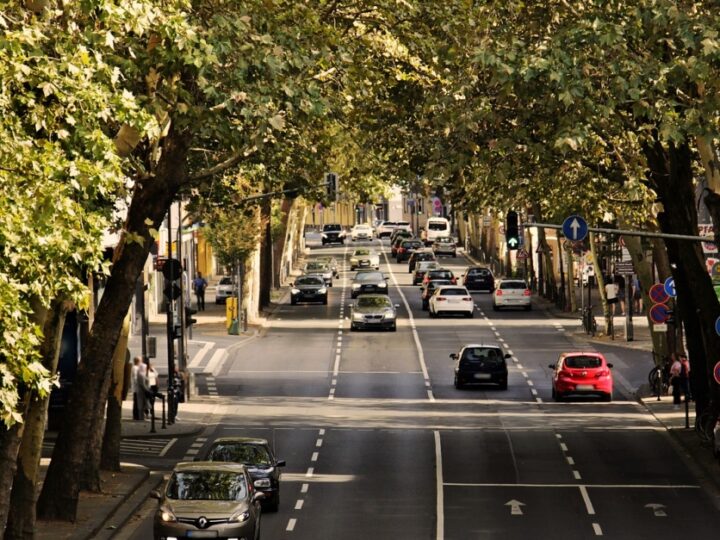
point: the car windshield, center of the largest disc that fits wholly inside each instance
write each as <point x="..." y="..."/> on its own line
<point x="373" y="302"/>
<point x="207" y="486"/>
<point x="369" y="276"/>
<point x="414" y="244"/>
<point x="247" y="454"/>
<point x="475" y="355"/>
<point x="316" y="266"/>
<point x="437" y="226"/>
<point x="442" y="274"/>
<point x="331" y="228"/>
<point x="361" y="252"/>
<point x="424" y="265"/>
<point x="309" y="281"/>
<point x="424" y="256"/>
<point x="513" y="285"/>
<point x="479" y="272"/>
<point x="403" y="223"/>
<point x="583" y="362"/>
<point x="226" y="281"/>
<point x="453" y="292"/>
<point x="434" y="284"/>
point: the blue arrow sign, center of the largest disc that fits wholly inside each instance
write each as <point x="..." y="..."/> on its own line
<point x="717" y="326"/>
<point x="575" y="228"/>
<point x="669" y="286"/>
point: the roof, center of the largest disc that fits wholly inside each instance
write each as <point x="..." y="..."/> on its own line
<point x="240" y="440"/>
<point x="212" y="466"/>
<point x="487" y="345"/>
<point x="582" y="353"/>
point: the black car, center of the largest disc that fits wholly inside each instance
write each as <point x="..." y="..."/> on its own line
<point x="407" y="248"/>
<point x="309" y="289"/>
<point x="368" y="282"/>
<point x="258" y="458"/>
<point x="417" y="256"/>
<point x="333" y="233"/>
<point x="479" y="278"/>
<point x="481" y="364"/>
<point x="429" y="289"/>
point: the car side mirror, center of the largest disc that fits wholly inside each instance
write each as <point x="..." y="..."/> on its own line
<point x="155" y="494"/>
<point x="610" y="366"/>
<point x="280" y="463"/>
<point x="292" y="283"/>
<point x="508" y="355"/>
<point x="386" y="277"/>
<point x="454" y="356"/>
<point x="551" y="366"/>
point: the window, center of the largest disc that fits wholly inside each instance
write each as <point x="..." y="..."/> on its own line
<point x="486" y="355"/>
<point x="440" y="274"/>
<point x="369" y="276"/>
<point x="583" y="362"/>
<point x="332" y="228"/>
<point x="309" y="281"/>
<point x="374" y="302"/>
<point x="505" y="285"/>
<point x="453" y="292"/>
<point x="247" y="454"/>
<point x="207" y="486"/>
<point x="226" y="281"/>
<point x="434" y="226"/>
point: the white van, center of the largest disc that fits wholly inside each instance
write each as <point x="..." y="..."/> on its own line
<point x="434" y="228"/>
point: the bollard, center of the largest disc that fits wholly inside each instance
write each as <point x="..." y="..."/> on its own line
<point x="152" y="414"/>
<point x="163" y="411"/>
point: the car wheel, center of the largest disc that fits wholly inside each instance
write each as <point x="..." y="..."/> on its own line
<point x="433" y="314"/>
<point x="496" y="308"/>
<point x="324" y="301"/>
<point x="293" y="302"/>
<point x="352" y="268"/>
<point x="454" y="255"/>
<point x="608" y="397"/>
<point x="353" y="296"/>
<point x="503" y="385"/>
<point x="470" y="315"/>
<point x="352" y="327"/>
<point x="559" y="397"/>
<point x="528" y="308"/>
<point x="458" y="384"/>
<point x="424" y="306"/>
<point x="552" y="393"/>
<point x="393" y="328"/>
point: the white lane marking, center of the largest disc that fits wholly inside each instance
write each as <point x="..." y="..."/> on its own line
<point x="440" y="505"/>
<point x="533" y="392"/>
<point x="588" y="502"/>
<point x="322" y="432"/>
<point x="597" y="529"/>
<point x="310" y="472"/>
<point x="217" y="358"/>
<point x="575" y="486"/>
<point x="530" y="383"/>
<point x="299" y="504"/>
<point x="304" y="488"/>
<point x="576" y="474"/>
<point x="336" y="366"/>
<point x="520" y="366"/>
<point x="340" y="332"/>
<point x="192" y="452"/>
<point x="334" y="382"/>
<point x="291" y="524"/>
<point x="538" y="400"/>
<point x="570" y="460"/>
<point x="319" y="443"/>
<point x="564" y="447"/>
<point x="510" y="352"/>
<point x="315" y="456"/>
<point x="416" y="337"/>
<point x="558" y="435"/>
<point x="167" y="447"/>
<point x="201" y="353"/>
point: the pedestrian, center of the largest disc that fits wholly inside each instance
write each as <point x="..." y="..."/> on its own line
<point x="199" y="286"/>
<point x="637" y="295"/>
<point x="177" y="387"/>
<point x="137" y="414"/>
<point x="620" y="282"/>
<point x="676" y="380"/>
<point x="152" y="381"/>
<point x="611" y="294"/>
<point x="141" y="390"/>
<point x="685" y="376"/>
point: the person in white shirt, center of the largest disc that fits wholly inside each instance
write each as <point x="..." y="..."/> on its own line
<point x="611" y="293"/>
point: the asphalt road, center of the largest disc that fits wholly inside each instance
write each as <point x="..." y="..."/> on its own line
<point x="379" y="444"/>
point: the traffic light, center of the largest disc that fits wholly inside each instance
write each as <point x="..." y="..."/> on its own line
<point x="331" y="186"/>
<point x="171" y="271"/>
<point x="512" y="235"/>
<point x="189" y="312"/>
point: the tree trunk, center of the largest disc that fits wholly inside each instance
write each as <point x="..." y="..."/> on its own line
<point x="266" y="254"/>
<point x="672" y="179"/>
<point x="21" y="522"/>
<point x="9" y="446"/>
<point x="279" y="245"/>
<point x="110" y="456"/>
<point x="544" y="246"/>
<point x="59" y="496"/>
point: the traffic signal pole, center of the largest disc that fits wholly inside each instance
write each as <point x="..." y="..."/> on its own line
<point x="170" y="332"/>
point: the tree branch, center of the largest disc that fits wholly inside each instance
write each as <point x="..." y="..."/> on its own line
<point x="216" y="169"/>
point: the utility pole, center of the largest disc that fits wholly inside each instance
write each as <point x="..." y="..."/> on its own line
<point x="170" y="332"/>
<point x="181" y="308"/>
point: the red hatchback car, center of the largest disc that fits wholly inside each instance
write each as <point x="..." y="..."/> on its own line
<point x="582" y="374"/>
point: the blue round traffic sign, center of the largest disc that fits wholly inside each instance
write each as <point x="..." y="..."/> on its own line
<point x="659" y="313"/>
<point x="669" y="287"/>
<point x="575" y="228"/>
<point x="717" y="326"/>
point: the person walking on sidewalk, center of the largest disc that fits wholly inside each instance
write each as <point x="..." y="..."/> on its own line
<point x="637" y="295"/>
<point x="611" y="293"/>
<point x="679" y="377"/>
<point x="152" y="381"/>
<point x="137" y="415"/>
<point x="199" y="286"/>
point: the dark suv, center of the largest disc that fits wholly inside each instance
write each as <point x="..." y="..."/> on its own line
<point x="479" y="278"/>
<point x="481" y="364"/>
<point x="417" y="256"/>
<point x="406" y="248"/>
<point x="333" y="233"/>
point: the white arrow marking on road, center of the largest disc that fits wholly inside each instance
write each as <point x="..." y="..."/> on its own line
<point x="515" y="509"/>
<point x="658" y="509"/>
<point x="575" y="225"/>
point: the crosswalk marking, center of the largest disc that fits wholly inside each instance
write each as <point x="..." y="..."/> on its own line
<point x="152" y="446"/>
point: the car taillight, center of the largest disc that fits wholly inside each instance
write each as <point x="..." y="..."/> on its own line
<point x="603" y="373"/>
<point x="527" y="292"/>
<point x="441" y="298"/>
<point x="401" y="250"/>
<point x="467" y="299"/>
<point x="498" y="293"/>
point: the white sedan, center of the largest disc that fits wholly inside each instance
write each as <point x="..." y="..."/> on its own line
<point x="451" y="299"/>
<point x="362" y="231"/>
<point x="512" y="293"/>
<point x="364" y="258"/>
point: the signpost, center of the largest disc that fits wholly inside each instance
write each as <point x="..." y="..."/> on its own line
<point x="669" y="286"/>
<point x="575" y="228"/>
<point x="659" y="313"/>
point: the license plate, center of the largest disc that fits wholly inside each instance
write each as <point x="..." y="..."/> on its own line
<point x="201" y="534"/>
<point x="585" y="387"/>
<point x="482" y="376"/>
<point x="364" y="263"/>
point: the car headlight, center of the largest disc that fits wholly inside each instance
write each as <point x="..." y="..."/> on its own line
<point x="166" y="514"/>
<point x="382" y="285"/>
<point x="353" y="261"/>
<point x="356" y="286"/>
<point x="239" y="517"/>
<point x="357" y="317"/>
<point x="324" y="235"/>
<point x="322" y="291"/>
<point x="389" y="315"/>
<point x="295" y="291"/>
<point x="262" y="483"/>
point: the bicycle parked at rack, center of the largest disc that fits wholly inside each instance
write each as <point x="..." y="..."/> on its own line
<point x="659" y="378"/>
<point x="588" y="321"/>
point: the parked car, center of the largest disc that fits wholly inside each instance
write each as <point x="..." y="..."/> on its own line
<point x="421" y="269"/>
<point x="259" y="460"/>
<point x="368" y="282"/>
<point x="373" y="311"/>
<point x="480" y="364"/>
<point x="445" y="245"/>
<point x="361" y="231"/>
<point x="479" y="278"/>
<point x="406" y="248"/>
<point x="317" y="268"/>
<point x="439" y="273"/>
<point x="512" y="293"/>
<point x="451" y="299"/>
<point x="429" y="290"/>
<point x="224" y="290"/>
<point x="364" y="258"/>
<point x="435" y="227"/>
<point x="310" y="288"/>
<point x="419" y="255"/>
<point x="581" y="374"/>
<point x="333" y="233"/>
<point x="331" y="262"/>
<point x="208" y="499"/>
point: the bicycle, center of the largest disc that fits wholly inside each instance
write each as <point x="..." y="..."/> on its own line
<point x="706" y="425"/>
<point x="588" y="321"/>
<point x="659" y="379"/>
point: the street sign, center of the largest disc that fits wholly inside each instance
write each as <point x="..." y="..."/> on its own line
<point x="575" y="228"/>
<point x="662" y="327"/>
<point x="522" y="254"/>
<point x="437" y="205"/>
<point x="658" y="294"/>
<point x="717" y="326"/>
<point x="624" y="267"/>
<point x="670" y="287"/>
<point x="172" y="269"/>
<point x="716" y="372"/>
<point x="659" y="313"/>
